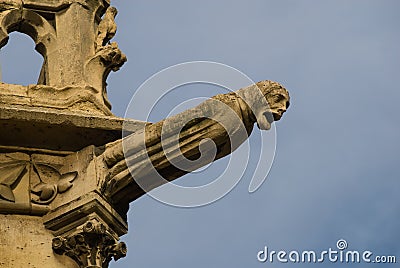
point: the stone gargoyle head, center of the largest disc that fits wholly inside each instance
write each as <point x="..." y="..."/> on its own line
<point x="267" y="101"/>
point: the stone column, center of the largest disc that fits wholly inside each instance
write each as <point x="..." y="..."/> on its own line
<point x="75" y="30"/>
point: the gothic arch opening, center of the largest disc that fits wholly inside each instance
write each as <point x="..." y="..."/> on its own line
<point x="20" y="62"/>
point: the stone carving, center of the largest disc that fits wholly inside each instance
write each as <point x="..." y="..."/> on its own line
<point x="10" y="174"/>
<point x="10" y="4"/>
<point x="93" y="246"/>
<point x="107" y="28"/>
<point x="45" y="181"/>
<point x="13" y="172"/>
<point x="51" y="183"/>
<point x="63" y="127"/>
<point x="112" y="56"/>
<point x="108" y="58"/>
<point x="73" y="57"/>
<point x="75" y="99"/>
<point x="210" y="120"/>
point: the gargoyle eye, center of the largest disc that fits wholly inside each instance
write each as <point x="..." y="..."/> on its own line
<point x="279" y="98"/>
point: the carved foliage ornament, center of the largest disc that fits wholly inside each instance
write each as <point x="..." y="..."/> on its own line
<point x="51" y="183"/>
<point x="46" y="182"/>
<point x="10" y="174"/>
<point x="93" y="246"/>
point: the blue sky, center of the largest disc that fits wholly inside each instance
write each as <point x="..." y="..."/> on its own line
<point x="335" y="174"/>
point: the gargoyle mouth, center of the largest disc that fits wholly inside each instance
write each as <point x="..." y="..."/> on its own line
<point x="264" y="120"/>
<point x="267" y="118"/>
<point x="276" y="116"/>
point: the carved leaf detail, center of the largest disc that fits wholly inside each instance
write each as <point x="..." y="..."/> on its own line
<point x="65" y="182"/>
<point x="6" y="193"/>
<point x="46" y="192"/>
<point x="9" y="174"/>
<point x="51" y="183"/>
<point x="47" y="173"/>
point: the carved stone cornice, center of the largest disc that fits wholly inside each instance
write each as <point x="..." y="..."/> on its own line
<point x="92" y="245"/>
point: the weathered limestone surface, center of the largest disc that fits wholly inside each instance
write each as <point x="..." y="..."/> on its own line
<point x="67" y="175"/>
<point x="25" y="242"/>
<point x="49" y="197"/>
<point x="47" y="129"/>
<point x="93" y="186"/>
<point x="77" y="54"/>
<point x="176" y="146"/>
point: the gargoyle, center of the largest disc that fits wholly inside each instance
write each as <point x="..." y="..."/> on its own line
<point x="183" y="143"/>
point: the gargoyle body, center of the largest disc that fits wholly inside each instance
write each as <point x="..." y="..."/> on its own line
<point x="173" y="147"/>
